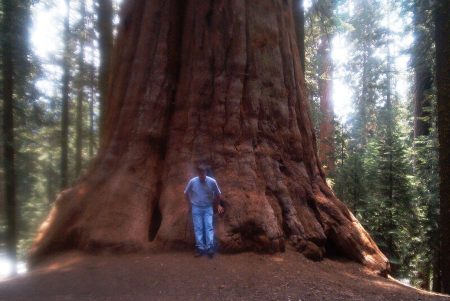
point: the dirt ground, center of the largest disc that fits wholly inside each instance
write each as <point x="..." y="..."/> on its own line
<point x="180" y="276"/>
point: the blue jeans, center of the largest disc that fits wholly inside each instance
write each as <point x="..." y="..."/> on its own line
<point x="202" y="218"/>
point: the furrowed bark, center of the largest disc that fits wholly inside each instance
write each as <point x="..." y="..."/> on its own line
<point x="211" y="82"/>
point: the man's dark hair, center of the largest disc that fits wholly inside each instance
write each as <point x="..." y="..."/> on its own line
<point x="202" y="167"/>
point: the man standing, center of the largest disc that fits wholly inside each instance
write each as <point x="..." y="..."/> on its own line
<point x="202" y="193"/>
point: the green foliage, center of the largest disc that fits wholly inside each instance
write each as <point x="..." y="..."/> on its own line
<point x="38" y="111"/>
<point x="426" y="199"/>
<point x="388" y="180"/>
<point x="376" y="182"/>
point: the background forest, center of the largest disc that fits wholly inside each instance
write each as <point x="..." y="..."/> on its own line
<point x="369" y="68"/>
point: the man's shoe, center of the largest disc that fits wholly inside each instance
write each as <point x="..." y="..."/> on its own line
<point x="211" y="254"/>
<point x="198" y="253"/>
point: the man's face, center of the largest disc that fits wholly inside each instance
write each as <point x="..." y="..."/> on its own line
<point x="201" y="174"/>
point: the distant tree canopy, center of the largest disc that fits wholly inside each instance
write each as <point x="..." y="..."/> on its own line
<point x="37" y="110"/>
<point x="387" y="173"/>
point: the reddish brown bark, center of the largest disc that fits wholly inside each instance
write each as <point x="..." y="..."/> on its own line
<point x="219" y="83"/>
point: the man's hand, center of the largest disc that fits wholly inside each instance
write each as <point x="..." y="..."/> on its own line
<point x="220" y="209"/>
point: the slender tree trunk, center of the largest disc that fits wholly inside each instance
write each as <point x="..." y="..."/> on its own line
<point x="326" y="146"/>
<point x="65" y="103"/>
<point x="442" y="34"/>
<point x="423" y="77"/>
<point x="389" y="108"/>
<point x="91" y="114"/>
<point x="80" y="96"/>
<point x="79" y="134"/>
<point x="93" y="85"/>
<point x="437" y="275"/>
<point x="217" y="82"/>
<point x="105" y="30"/>
<point x="8" y="128"/>
<point x="49" y="181"/>
<point x="389" y="147"/>
<point x="424" y="277"/>
<point x="362" y="101"/>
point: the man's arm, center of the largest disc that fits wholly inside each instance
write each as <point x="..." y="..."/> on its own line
<point x="188" y="199"/>
<point x="186" y="195"/>
<point x="217" y="197"/>
<point x="219" y="203"/>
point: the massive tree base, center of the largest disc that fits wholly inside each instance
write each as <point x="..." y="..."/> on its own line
<point x="219" y="83"/>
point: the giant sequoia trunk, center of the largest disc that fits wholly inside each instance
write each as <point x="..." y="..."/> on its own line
<point x="217" y="82"/>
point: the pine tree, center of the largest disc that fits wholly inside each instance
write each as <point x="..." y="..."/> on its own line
<point x="365" y="68"/>
<point x="364" y="76"/>
<point x="373" y="172"/>
<point x="424" y="145"/>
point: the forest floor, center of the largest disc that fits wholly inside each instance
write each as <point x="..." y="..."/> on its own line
<point x="180" y="276"/>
